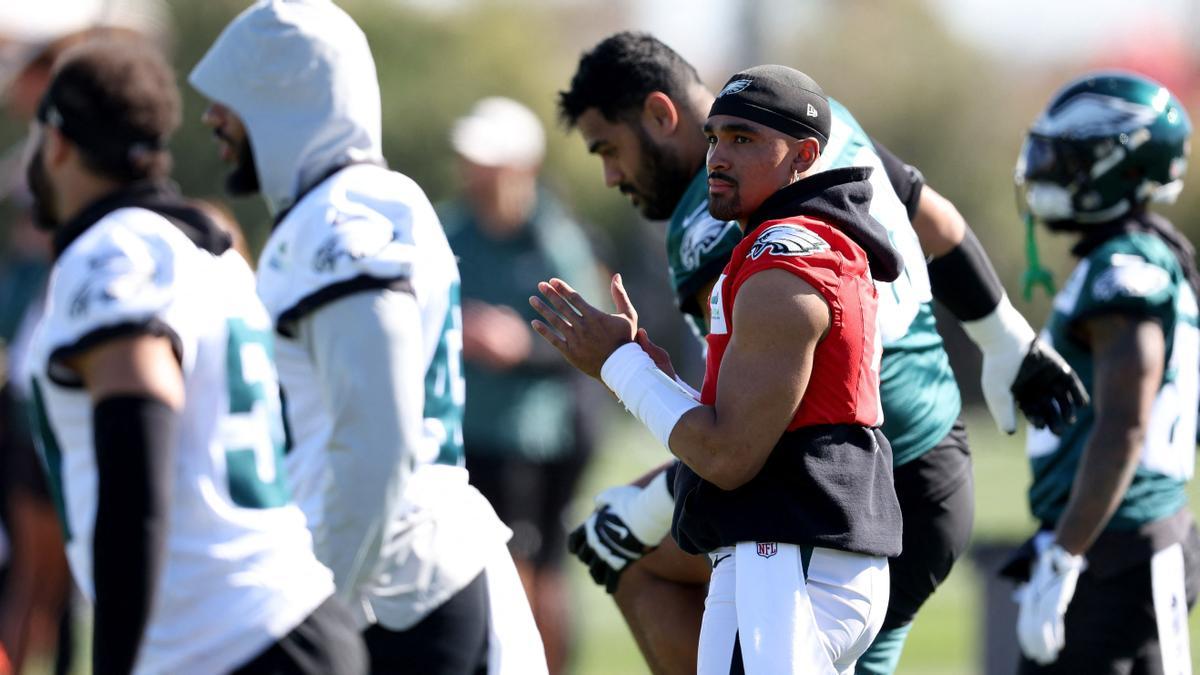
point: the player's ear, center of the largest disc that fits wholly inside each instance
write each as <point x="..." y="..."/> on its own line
<point x="55" y="147"/>
<point x="660" y="116"/>
<point x="805" y="153"/>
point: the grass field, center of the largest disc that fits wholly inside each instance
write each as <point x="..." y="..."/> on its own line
<point x="947" y="637"/>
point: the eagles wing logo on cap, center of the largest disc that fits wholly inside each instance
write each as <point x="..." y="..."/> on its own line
<point x="787" y="240"/>
<point x="734" y="87"/>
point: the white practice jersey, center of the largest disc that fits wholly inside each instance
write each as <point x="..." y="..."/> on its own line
<point x="367" y="228"/>
<point x="239" y="570"/>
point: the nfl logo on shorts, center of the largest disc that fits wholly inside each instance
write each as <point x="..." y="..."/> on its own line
<point x="766" y="549"/>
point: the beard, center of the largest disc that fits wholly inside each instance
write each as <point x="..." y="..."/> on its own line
<point x="41" y="189"/>
<point x="243" y="180"/>
<point x="728" y="206"/>
<point x="661" y="180"/>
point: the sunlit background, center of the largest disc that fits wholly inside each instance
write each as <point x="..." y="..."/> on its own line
<point x="948" y="85"/>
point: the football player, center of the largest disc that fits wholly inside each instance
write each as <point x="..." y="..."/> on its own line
<point x="785" y="480"/>
<point x="156" y="400"/>
<point x="1113" y="569"/>
<point x="639" y="106"/>
<point x="362" y="290"/>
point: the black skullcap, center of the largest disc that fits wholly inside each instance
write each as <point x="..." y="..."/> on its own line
<point x="779" y="97"/>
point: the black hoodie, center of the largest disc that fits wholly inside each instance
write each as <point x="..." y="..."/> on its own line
<point x="841" y="198"/>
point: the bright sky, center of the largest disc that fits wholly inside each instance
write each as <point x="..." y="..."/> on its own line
<point x="1034" y="30"/>
<point x="710" y="33"/>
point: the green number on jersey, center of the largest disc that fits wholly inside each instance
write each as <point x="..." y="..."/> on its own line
<point x="254" y="433"/>
<point x="47" y="444"/>
<point x="445" y="388"/>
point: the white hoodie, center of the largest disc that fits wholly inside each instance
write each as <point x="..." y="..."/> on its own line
<point x="301" y="77"/>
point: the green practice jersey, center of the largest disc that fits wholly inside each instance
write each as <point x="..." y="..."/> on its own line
<point x="1131" y="274"/>
<point x="917" y="388"/>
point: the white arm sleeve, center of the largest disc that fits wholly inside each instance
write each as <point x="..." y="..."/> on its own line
<point x="370" y="368"/>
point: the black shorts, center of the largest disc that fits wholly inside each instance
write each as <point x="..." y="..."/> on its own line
<point x="937" y="497"/>
<point x="1112" y="621"/>
<point x="450" y="640"/>
<point x="531" y="498"/>
<point x="325" y="643"/>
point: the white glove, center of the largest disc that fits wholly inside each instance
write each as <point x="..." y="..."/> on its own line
<point x="1043" y="603"/>
<point x="627" y="522"/>
<point x="1004" y="337"/>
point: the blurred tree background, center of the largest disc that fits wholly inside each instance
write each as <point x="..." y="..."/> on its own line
<point x="947" y="105"/>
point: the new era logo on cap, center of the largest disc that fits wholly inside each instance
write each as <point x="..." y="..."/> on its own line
<point x="812" y="112"/>
<point x="734" y="87"/>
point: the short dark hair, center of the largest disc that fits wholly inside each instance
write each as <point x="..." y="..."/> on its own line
<point x="116" y="99"/>
<point x="618" y="73"/>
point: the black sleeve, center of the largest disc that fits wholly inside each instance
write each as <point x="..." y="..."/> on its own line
<point x="964" y="280"/>
<point x="906" y="179"/>
<point x="134" y="444"/>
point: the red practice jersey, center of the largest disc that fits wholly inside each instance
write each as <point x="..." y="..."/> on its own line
<point x="844" y="385"/>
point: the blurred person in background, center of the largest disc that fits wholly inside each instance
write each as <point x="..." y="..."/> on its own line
<point x="639" y="107"/>
<point x="155" y="400"/>
<point x="34" y="606"/>
<point x="526" y="440"/>
<point x="363" y="293"/>
<point x="1115" y="566"/>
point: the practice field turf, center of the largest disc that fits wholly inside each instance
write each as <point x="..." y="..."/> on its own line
<point x="947" y="638"/>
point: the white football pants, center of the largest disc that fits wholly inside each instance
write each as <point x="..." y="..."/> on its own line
<point x="760" y="601"/>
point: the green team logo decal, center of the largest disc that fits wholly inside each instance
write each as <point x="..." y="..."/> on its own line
<point x="254" y="433"/>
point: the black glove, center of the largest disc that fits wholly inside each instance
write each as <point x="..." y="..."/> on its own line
<point x="1047" y="390"/>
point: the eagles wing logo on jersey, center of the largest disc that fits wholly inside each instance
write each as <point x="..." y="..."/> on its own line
<point x="1132" y="277"/>
<point x="701" y="236"/>
<point x="114" y="276"/>
<point x="354" y="243"/>
<point x="787" y="240"/>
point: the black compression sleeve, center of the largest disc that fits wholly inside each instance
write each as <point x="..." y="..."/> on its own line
<point x="134" y="442"/>
<point x="964" y="280"/>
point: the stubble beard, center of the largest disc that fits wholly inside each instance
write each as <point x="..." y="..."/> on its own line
<point x="727" y="207"/>
<point x="41" y="190"/>
<point x="243" y="180"/>
<point x="665" y="177"/>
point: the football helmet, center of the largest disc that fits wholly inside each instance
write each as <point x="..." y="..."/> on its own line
<point x="1107" y="142"/>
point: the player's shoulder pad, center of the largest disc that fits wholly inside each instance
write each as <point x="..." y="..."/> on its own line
<point x="122" y="271"/>
<point x="361" y="224"/>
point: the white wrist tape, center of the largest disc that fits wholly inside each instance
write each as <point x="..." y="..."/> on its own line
<point x="687" y="387"/>
<point x="654" y="398"/>
<point x="1002" y="331"/>
<point x="652" y="509"/>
